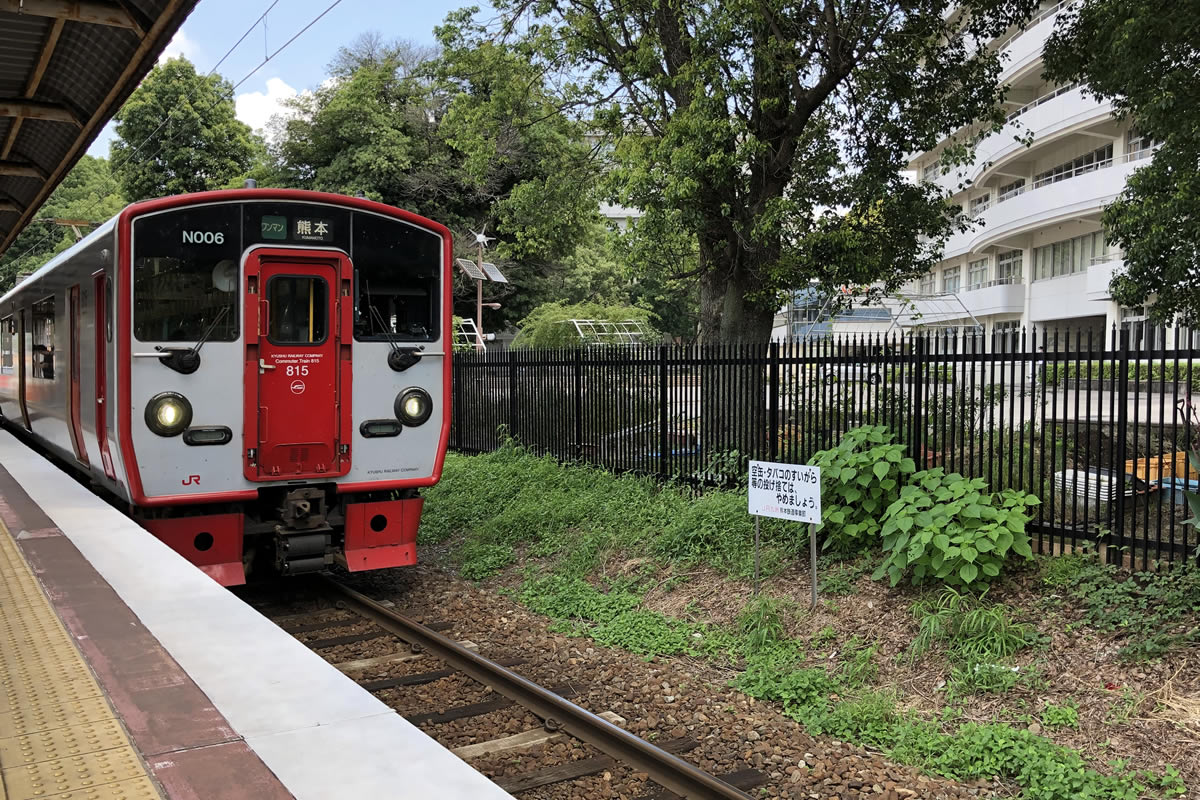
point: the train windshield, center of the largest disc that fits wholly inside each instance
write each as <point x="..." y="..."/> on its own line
<point x="185" y="274"/>
<point x="397" y="269"/>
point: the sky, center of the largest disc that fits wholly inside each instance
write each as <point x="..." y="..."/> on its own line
<point x="215" y="25"/>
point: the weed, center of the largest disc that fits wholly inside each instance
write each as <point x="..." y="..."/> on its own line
<point x="760" y="623"/>
<point x="973" y="631"/>
<point x="1125" y="707"/>
<point x="481" y="560"/>
<point x="841" y="579"/>
<point x="1064" y="716"/>
<point x="1154" y="611"/>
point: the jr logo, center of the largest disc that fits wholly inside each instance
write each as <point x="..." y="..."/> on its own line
<point x="191" y="479"/>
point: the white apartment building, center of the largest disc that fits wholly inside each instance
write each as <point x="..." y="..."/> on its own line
<point x="1039" y="258"/>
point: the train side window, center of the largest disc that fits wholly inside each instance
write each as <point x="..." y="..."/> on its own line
<point x="43" y="339"/>
<point x="397" y="276"/>
<point x="299" y="309"/>
<point x="8" y="342"/>
<point x="109" y="311"/>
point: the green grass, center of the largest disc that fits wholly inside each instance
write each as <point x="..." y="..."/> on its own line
<point x="571" y="520"/>
<point x="579" y="515"/>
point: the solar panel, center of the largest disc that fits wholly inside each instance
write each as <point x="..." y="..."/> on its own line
<point x="494" y="272"/>
<point x="472" y="269"/>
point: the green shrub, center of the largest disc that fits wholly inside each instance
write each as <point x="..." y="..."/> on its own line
<point x="948" y="528"/>
<point x="859" y="479"/>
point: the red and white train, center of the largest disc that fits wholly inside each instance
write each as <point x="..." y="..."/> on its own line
<point x="260" y="377"/>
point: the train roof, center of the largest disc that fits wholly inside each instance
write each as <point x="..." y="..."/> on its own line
<point x="227" y="196"/>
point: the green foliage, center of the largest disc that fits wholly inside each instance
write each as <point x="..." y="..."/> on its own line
<point x="510" y="497"/>
<point x="979" y="640"/>
<point x="549" y="325"/>
<point x="1153" y="612"/>
<point x="971" y="751"/>
<point x="199" y="143"/>
<point x="945" y="527"/>
<point x="1064" y="716"/>
<point x="839" y="578"/>
<point x="1144" y="61"/>
<point x="860" y="477"/>
<point x="88" y="192"/>
<point x="1137" y="371"/>
<point x="731" y="137"/>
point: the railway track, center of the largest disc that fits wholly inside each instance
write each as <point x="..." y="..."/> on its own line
<point x="560" y="718"/>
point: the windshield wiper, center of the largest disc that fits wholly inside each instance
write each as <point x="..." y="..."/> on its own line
<point x="186" y="360"/>
<point x="399" y="358"/>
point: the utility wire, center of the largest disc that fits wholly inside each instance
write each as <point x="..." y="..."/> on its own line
<point x="178" y="103"/>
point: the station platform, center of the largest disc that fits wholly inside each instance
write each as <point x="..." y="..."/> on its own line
<point x="128" y="673"/>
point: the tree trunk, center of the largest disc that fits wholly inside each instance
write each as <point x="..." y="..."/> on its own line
<point x="734" y="333"/>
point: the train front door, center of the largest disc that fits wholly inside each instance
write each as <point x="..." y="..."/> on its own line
<point x="297" y="365"/>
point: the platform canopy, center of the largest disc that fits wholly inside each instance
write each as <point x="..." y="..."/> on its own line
<point x="66" y="66"/>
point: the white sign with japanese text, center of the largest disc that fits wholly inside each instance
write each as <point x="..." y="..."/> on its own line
<point x="785" y="491"/>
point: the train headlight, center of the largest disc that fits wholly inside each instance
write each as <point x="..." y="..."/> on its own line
<point x="413" y="406"/>
<point x="168" y="414"/>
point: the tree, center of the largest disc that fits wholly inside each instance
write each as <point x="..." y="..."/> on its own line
<point x="88" y="193"/>
<point x="469" y="139"/>
<point x="1144" y="56"/>
<point x="179" y="133"/>
<point x="550" y="324"/>
<point x="753" y="126"/>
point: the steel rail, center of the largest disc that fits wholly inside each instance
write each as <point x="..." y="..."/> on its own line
<point x="664" y="768"/>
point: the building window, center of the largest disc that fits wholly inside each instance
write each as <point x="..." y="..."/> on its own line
<point x="1138" y="145"/>
<point x="1096" y="159"/>
<point x="1006" y="336"/>
<point x="981" y="203"/>
<point x="928" y="284"/>
<point x="1010" y="190"/>
<point x="929" y="173"/>
<point x="951" y="279"/>
<point x="1069" y="256"/>
<point x="977" y="274"/>
<point x="1008" y="266"/>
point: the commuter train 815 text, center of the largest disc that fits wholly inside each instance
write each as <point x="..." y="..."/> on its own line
<point x="259" y="377"/>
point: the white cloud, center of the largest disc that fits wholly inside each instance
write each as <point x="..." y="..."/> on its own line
<point x="181" y="45"/>
<point x="256" y="108"/>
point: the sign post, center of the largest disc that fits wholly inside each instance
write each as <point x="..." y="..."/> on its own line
<point x="786" y="491"/>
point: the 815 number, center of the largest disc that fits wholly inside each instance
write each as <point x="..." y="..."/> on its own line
<point x="294" y="371"/>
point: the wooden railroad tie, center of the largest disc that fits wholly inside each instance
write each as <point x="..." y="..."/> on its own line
<point x="521" y="740"/>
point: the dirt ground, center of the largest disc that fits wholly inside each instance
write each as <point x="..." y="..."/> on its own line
<point x="1146" y="714"/>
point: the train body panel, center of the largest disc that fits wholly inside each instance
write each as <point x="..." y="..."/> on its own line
<point x="250" y="370"/>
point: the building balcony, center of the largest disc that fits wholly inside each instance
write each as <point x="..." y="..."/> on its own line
<point x="998" y="297"/>
<point x="1085" y="192"/>
<point x="1024" y="47"/>
<point x="1100" y="274"/>
<point x="1064" y="297"/>
<point x="1045" y="117"/>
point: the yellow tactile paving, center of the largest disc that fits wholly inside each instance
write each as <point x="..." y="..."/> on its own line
<point x="58" y="736"/>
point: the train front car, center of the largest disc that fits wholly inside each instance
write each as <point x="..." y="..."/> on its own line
<point x="286" y="361"/>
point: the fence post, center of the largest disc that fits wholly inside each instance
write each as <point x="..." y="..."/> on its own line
<point x="578" y="398"/>
<point x="1114" y="553"/>
<point x="664" y="461"/>
<point x="773" y="399"/>
<point x="456" y="401"/>
<point x="512" y="394"/>
<point x="917" y="382"/>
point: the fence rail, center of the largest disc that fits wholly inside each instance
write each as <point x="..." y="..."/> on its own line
<point x="1096" y="426"/>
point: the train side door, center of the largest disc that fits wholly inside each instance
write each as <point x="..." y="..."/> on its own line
<point x="73" y="314"/>
<point x="22" y="367"/>
<point x="102" y="292"/>
<point x="297" y="368"/>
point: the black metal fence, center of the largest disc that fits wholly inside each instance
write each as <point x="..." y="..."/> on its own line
<point x="1096" y="427"/>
